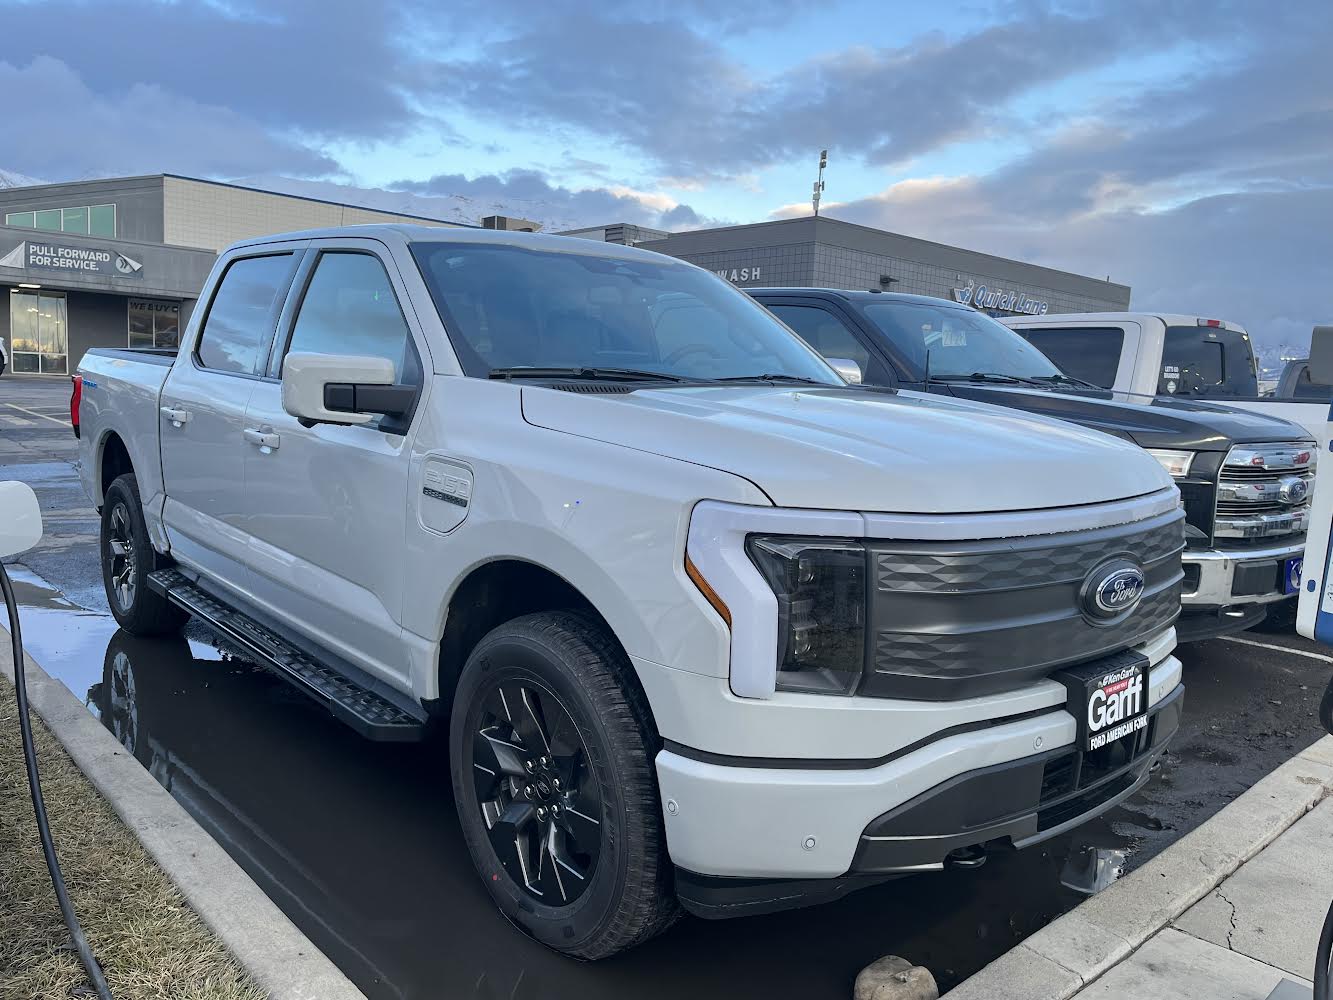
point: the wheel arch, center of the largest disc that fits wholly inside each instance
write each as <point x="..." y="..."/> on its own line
<point x="113" y="460"/>
<point x="500" y="590"/>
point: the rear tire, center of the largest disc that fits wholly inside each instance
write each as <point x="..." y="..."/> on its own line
<point x="127" y="559"/>
<point x="556" y="697"/>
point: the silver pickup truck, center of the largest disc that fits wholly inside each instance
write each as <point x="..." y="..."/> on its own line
<point x="707" y="627"/>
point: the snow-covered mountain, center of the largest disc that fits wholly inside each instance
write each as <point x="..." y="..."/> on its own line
<point x="559" y="212"/>
<point x="9" y="179"/>
<point x="554" y="216"/>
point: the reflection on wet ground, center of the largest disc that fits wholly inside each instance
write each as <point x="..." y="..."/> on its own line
<point x="359" y="844"/>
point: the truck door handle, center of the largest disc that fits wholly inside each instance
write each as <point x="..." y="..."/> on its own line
<point x="265" y="440"/>
<point x="177" y="416"/>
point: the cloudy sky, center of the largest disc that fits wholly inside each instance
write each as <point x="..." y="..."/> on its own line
<point x="1183" y="147"/>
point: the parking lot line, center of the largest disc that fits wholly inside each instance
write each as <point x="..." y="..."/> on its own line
<point x="1280" y="649"/>
<point x="34" y="413"/>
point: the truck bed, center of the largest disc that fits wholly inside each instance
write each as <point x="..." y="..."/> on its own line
<point x="164" y="356"/>
<point x="122" y="390"/>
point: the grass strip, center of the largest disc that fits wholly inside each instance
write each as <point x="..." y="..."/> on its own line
<point x="151" y="944"/>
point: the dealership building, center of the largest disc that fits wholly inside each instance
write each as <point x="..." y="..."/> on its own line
<point x="819" y="252"/>
<point x="120" y="262"/>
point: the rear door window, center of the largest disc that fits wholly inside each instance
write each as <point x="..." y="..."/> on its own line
<point x="1089" y="353"/>
<point x="244" y="313"/>
<point x="1206" y="361"/>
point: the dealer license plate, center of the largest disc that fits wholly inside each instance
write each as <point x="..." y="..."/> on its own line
<point x="1291" y="574"/>
<point x="1109" y="699"/>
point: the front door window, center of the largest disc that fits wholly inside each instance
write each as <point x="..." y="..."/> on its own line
<point x="39" y="332"/>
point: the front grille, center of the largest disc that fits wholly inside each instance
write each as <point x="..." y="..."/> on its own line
<point x="1097" y="775"/>
<point x="962" y="619"/>
<point x="1264" y="490"/>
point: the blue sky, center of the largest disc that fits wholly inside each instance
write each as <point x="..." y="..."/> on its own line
<point x="1181" y="146"/>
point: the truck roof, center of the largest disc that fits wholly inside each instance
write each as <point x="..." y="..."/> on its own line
<point x="858" y="295"/>
<point x="397" y="232"/>
<point x="1168" y="319"/>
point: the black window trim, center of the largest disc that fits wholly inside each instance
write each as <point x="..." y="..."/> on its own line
<point x="266" y="345"/>
<point x="855" y="324"/>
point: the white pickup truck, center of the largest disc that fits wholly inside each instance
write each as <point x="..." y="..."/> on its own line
<point x="1164" y="354"/>
<point x="706" y="626"/>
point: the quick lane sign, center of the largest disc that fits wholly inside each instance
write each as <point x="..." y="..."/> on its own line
<point x="982" y="297"/>
<point x="32" y="255"/>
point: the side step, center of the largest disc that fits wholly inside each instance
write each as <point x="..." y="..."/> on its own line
<point x="356" y="703"/>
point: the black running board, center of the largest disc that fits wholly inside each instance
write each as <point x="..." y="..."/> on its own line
<point x="350" y="699"/>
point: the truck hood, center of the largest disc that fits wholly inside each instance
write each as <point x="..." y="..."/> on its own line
<point x="1149" y="421"/>
<point x="853" y="449"/>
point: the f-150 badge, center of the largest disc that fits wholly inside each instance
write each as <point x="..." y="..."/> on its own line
<point x="446" y="492"/>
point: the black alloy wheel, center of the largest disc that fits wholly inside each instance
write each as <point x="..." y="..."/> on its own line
<point x="127" y="559"/>
<point x="551" y="753"/>
<point x="122" y="569"/>
<point x="540" y="801"/>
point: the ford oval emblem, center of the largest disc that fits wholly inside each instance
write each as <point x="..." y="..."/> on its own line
<point x="1112" y="590"/>
<point x="1293" y="490"/>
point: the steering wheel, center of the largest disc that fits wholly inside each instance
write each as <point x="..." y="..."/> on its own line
<point x="684" y="352"/>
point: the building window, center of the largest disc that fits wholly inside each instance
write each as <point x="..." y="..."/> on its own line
<point x="86" y="220"/>
<point x="38" y="333"/>
<point x="154" y="323"/>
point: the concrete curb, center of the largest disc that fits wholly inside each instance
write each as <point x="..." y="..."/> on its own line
<point x="277" y="955"/>
<point x="1069" y="953"/>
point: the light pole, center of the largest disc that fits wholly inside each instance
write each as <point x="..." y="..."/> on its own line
<point x="819" y="183"/>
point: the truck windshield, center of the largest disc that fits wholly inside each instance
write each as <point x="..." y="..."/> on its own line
<point x="1207" y="361"/>
<point x="961" y="341"/>
<point x="509" y="307"/>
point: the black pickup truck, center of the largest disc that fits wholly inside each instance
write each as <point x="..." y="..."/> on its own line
<point x="1246" y="478"/>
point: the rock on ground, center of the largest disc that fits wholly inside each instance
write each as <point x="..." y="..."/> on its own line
<point x="894" y="978"/>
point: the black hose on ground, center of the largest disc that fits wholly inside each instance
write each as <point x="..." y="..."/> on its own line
<point x="1321" y="958"/>
<point x="1324" y="953"/>
<point x="39" y="804"/>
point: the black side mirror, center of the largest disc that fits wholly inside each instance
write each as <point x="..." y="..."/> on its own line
<point x="351" y="397"/>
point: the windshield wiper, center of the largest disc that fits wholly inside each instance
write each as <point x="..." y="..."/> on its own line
<point x="1063" y="379"/>
<point x="590" y="374"/>
<point x="773" y="377"/>
<point x="989" y="377"/>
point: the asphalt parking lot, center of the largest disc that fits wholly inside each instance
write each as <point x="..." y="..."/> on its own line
<point x="359" y="844"/>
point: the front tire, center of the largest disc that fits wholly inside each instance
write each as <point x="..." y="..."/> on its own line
<point x="551" y="754"/>
<point x="127" y="559"/>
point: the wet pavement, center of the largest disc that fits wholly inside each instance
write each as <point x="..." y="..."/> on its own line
<point x="359" y="844"/>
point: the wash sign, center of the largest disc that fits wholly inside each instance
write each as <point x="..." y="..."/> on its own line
<point x="32" y="255"/>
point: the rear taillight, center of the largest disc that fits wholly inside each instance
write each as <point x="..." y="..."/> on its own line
<point x="75" y="400"/>
<point x="1209" y="322"/>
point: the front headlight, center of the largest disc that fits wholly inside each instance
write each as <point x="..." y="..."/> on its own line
<point x="1176" y="463"/>
<point x="820" y="584"/>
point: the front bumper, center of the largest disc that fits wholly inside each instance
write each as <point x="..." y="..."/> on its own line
<point x="772" y="822"/>
<point x="1214" y="578"/>
<point x="1225" y="591"/>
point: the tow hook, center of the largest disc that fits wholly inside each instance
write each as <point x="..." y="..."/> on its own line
<point x="966" y="857"/>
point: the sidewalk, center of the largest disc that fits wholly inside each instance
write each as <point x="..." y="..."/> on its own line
<point x="1226" y="913"/>
<point x="1259" y="926"/>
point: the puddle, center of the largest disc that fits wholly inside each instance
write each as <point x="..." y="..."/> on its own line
<point x="67" y="640"/>
<point x="41" y="474"/>
<point x="359" y="844"/>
